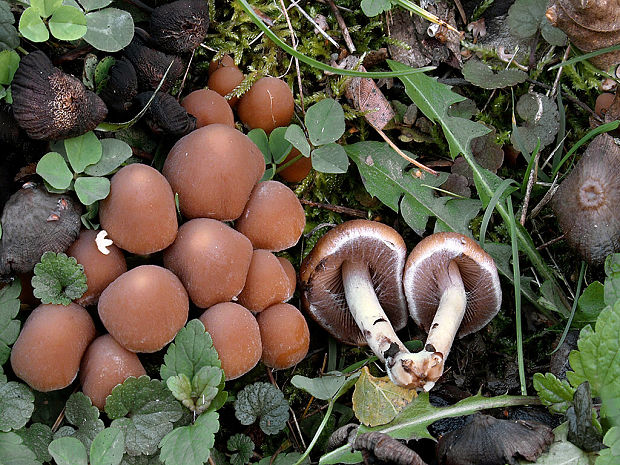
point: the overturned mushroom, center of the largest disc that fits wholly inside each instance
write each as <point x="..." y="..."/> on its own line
<point x="452" y="288"/>
<point x="165" y="115"/>
<point x="120" y="87"/>
<point x="50" y="104"/>
<point x="351" y="284"/>
<point x="179" y="26"/>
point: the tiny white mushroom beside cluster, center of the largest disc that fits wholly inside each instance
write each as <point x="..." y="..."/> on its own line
<point x="102" y="242"/>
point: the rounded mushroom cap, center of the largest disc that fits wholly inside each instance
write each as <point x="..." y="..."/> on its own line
<point x="289" y="269"/>
<point x="273" y="218"/>
<point x="49" y="348"/>
<point x="223" y="80"/>
<point x="226" y="60"/>
<point x="144" y="308"/>
<point x="603" y="102"/>
<point x="267" y="282"/>
<point x="211" y="259"/>
<point x="139" y="213"/>
<point x="586" y="203"/>
<point x="322" y="291"/>
<point x="105" y="364"/>
<point x="236" y="337"/>
<point x="208" y="107"/>
<point x="267" y="105"/>
<point x="478" y="272"/>
<point x="284" y="334"/>
<point x="100" y="269"/>
<point x="213" y="170"/>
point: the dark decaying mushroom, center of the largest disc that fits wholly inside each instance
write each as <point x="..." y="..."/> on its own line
<point x="121" y="86"/>
<point x="49" y="104"/>
<point x="586" y="203"/>
<point x="151" y="64"/>
<point x="180" y="26"/>
<point x="33" y="222"/>
<point x="165" y="115"/>
<point x="489" y="441"/>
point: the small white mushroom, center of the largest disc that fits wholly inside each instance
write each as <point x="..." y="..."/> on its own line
<point x="102" y="242"/>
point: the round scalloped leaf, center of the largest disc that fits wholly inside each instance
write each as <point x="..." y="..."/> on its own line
<point x="16" y="405"/>
<point x="90" y="5"/>
<point x="109" y="30"/>
<point x="483" y="76"/>
<point x="9" y="39"/>
<point x="265" y="402"/>
<point x="58" y="279"/>
<point x="9" y="62"/>
<point x="38" y="437"/>
<point x="32" y="26"/>
<point x="108" y="447"/>
<point x="14" y="451"/>
<point x="542" y="122"/>
<point x="373" y="8"/>
<point x="83" y="150"/>
<point x="190" y="444"/>
<point x="68" y="451"/>
<point x="67" y="23"/>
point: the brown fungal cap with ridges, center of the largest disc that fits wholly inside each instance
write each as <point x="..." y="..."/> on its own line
<point x="586" y="203"/>
<point x="151" y="65"/>
<point x="180" y="26"/>
<point x="284" y="334"/>
<point x="48" y="350"/>
<point x="121" y="86"/>
<point x="322" y="290"/>
<point x="267" y="105"/>
<point x="49" y="104"/>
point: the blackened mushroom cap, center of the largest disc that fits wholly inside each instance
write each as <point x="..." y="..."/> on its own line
<point x="180" y="26"/>
<point x="33" y="222"/>
<point x="488" y="441"/>
<point x="478" y="272"/>
<point x="376" y="244"/>
<point x="49" y="104"/>
<point x="151" y="65"/>
<point x="121" y="86"/>
<point x="165" y="115"/>
<point x="587" y="202"/>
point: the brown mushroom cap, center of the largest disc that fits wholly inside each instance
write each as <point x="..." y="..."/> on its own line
<point x="49" y="348"/>
<point x="284" y="334"/>
<point x="322" y="291"/>
<point x="211" y="259"/>
<point x="289" y="269"/>
<point x="223" y="80"/>
<point x="105" y="364"/>
<point x="603" y="102"/>
<point x="236" y="337"/>
<point x="213" y="170"/>
<point x="100" y="269"/>
<point x="226" y="60"/>
<point x="266" y="284"/>
<point x="478" y="272"/>
<point x="144" y="308"/>
<point x="586" y="203"/>
<point x="267" y="105"/>
<point x="139" y="213"/>
<point x="208" y="107"/>
<point x="273" y="218"/>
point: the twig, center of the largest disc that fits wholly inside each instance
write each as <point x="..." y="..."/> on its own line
<point x="343" y="27"/>
<point x="568" y="97"/>
<point x="309" y="18"/>
<point x="294" y="44"/>
<point x="273" y="382"/>
<point x="336" y="208"/>
<point x="461" y="11"/>
<point x="554" y="89"/>
<point x="528" y="190"/>
<point x="546" y="198"/>
<point x="402" y="154"/>
<point x="551" y="242"/>
<point x="185" y="75"/>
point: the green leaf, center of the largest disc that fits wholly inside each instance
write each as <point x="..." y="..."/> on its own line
<point x="611" y="455"/>
<point x="265" y="402"/>
<point x="590" y="304"/>
<point x="372" y="8"/>
<point x="279" y="146"/>
<point x="554" y="393"/>
<point x="9" y="62"/>
<point x="54" y="170"/>
<point x="259" y="137"/>
<point x="612" y="282"/>
<point x="80" y="412"/>
<point x="242" y="447"/>
<point x="45" y="8"/>
<point x="16" y="405"/>
<point x="32" y="26"/>
<point x="83" y="150"/>
<point x="9" y="326"/>
<point x="68" y="451"/>
<point x="325" y="122"/>
<point x="481" y="75"/>
<point x="9" y="38"/>
<point x="141" y="459"/>
<point x="37" y="438"/>
<point x="107" y="447"/>
<point x="101" y="72"/>
<point x="330" y="158"/>
<point x="295" y="135"/>
<point x="191" y="350"/>
<point x="90" y="189"/>
<point x="384" y="175"/>
<point x="90" y="5"/>
<point x="145" y="410"/>
<point x="291" y="458"/>
<point x="526" y="17"/>
<point x="114" y="152"/>
<point x="190" y="445"/>
<point x="109" y="30"/>
<point x="67" y="23"/>
<point x="553" y="35"/>
<point x="14" y="452"/>
<point x="58" y="279"/>
<point x="323" y="388"/>
<point x="377" y="401"/>
<point x="541" y="122"/>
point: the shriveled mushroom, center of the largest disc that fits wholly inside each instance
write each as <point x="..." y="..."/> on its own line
<point x="208" y="107"/>
<point x="165" y="115"/>
<point x="179" y="26"/>
<point x="266" y="284"/>
<point x="48" y="350"/>
<point x="284" y="334"/>
<point x="105" y="364"/>
<point x="223" y="81"/>
<point x="211" y="259"/>
<point x="487" y="440"/>
<point x="236" y="337"/>
<point x="452" y="288"/>
<point x="120" y="87"/>
<point x="213" y="170"/>
<point x="267" y="105"/>
<point x="586" y="203"/>
<point x="273" y="218"/>
<point x="144" y="308"/>
<point x="351" y="284"/>
<point x="139" y="213"/>
<point x="151" y="64"/>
